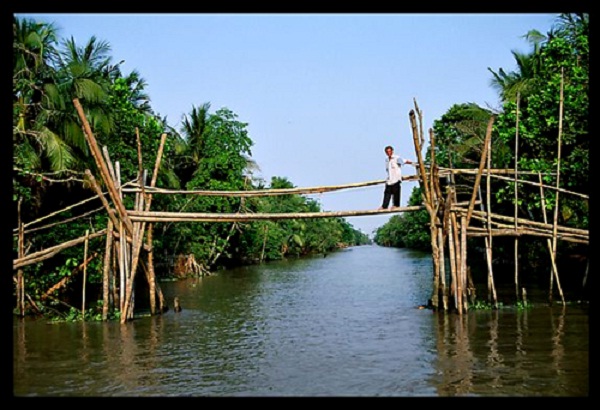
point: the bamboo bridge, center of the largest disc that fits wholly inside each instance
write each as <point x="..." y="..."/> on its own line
<point x="129" y="232"/>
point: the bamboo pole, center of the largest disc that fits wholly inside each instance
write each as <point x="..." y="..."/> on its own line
<point x="269" y="191"/>
<point x="64" y="221"/>
<point x="106" y="271"/>
<point x="454" y="258"/>
<point x="155" y="216"/>
<point x="122" y="274"/>
<point x="151" y="275"/>
<point x="422" y="173"/>
<point x="103" y="167"/>
<point x="109" y="163"/>
<point x="554" y="241"/>
<point x="153" y="286"/>
<point x="420" y="115"/>
<point x="55" y="213"/>
<point x="549" y="243"/>
<point x="523" y="221"/>
<point x="114" y="262"/>
<point x="489" y="225"/>
<point x="505" y="230"/>
<point x="524" y="182"/>
<point x="463" y="258"/>
<point x="488" y="232"/>
<point x="442" y="269"/>
<point x="517" y="197"/>
<point x="136" y="248"/>
<point x="139" y="227"/>
<point x="429" y="202"/>
<point x="494" y="171"/>
<point x="66" y="279"/>
<point x="49" y="252"/>
<point x="110" y="211"/>
<point x="21" y="253"/>
<point x="453" y="242"/>
<point x="486" y="144"/>
<point x="85" y="251"/>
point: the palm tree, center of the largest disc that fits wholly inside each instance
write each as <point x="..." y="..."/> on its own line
<point x="522" y="81"/>
<point x="190" y="145"/>
<point x="33" y="53"/>
<point x="81" y="73"/>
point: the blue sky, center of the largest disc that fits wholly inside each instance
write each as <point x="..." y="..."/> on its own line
<point x="322" y="94"/>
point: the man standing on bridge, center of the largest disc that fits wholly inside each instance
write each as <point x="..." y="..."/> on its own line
<point x="393" y="165"/>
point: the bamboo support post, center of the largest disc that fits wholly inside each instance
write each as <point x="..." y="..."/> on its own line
<point x="489" y="223"/>
<point x="154" y="288"/>
<point x="114" y="263"/>
<point x="554" y="272"/>
<point x="85" y="251"/>
<point x="517" y="196"/>
<point x="106" y="271"/>
<point x="122" y="275"/>
<point x="151" y="275"/>
<point x="442" y="265"/>
<point x="454" y="258"/>
<point x="549" y="243"/>
<point x="488" y="255"/>
<point x="463" y="265"/>
<point x="20" y="252"/>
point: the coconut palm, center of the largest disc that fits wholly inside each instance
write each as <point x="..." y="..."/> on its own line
<point x="33" y="53"/>
<point x="520" y="82"/>
<point x="190" y="143"/>
<point x="82" y="74"/>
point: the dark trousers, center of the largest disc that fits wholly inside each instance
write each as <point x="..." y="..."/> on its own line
<point x="391" y="192"/>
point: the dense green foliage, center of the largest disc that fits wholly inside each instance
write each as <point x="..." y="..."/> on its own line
<point x="212" y="151"/>
<point x="535" y="88"/>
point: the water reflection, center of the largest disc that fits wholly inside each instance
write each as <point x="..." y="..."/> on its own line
<point x="345" y="325"/>
<point x="512" y="352"/>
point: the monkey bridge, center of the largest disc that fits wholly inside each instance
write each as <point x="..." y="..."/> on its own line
<point x="129" y="232"/>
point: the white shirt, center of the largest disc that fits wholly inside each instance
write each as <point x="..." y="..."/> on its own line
<point x="393" y="167"/>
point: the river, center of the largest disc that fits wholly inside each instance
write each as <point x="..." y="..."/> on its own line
<point x="348" y="324"/>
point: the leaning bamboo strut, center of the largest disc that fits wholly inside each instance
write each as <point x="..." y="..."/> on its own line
<point x="49" y="252"/>
<point x="422" y="173"/>
<point x="96" y="187"/>
<point x="102" y="166"/>
<point x="486" y="145"/>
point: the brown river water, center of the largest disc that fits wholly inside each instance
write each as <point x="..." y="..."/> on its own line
<point x="345" y="325"/>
